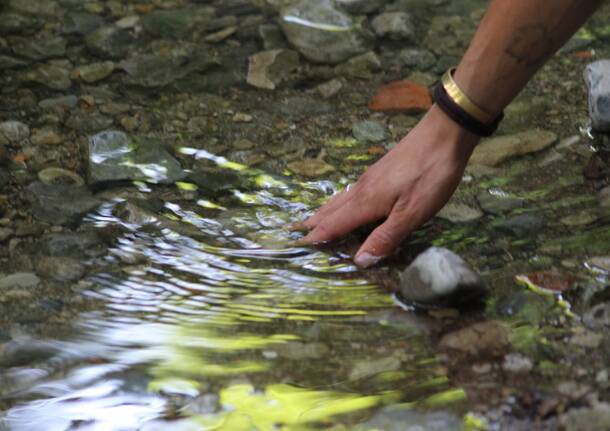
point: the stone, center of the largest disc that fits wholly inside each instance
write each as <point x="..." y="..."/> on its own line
<point x="517" y="363"/>
<point x="60" y="204"/>
<point x="60" y="269"/>
<point x="483" y="339"/>
<point x="598" y="317"/>
<point x="59" y="176"/>
<point x="48" y="8"/>
<point x="7" y="62"/>
<point x="50" y="75"/>
<point x="587" y="339"/>
<point x="5" y="233"/>
<point x="14" y="23"/>
<point x="215" y="182"/>
<point x="323" y="33"/>
<point x="268" y="69"/>
<point x="71" y="244"/>
<point x="221" y="35"/>
<point x="581" y="218"/>
<point x="492" y="152"/>
<point x="61" y="102"/>
<point x="395" y="418"/>
<point x="597" y="76"/>
<point x="417" y="59"/>
<point x="595" y="418"/>
<point x="362" y="66"/>
<point x="522" y="225"/>
<point x="175" y="23"/>
<point x="601" y="262"/>
<point x="360" y="7"/>
<point x="114" y="156"/>
<point x="109" y="42"/>
<point x="311" y="168"/>
<point x="96" y="71"/>
<point x="39" y="49"/>
<point x="13" y="132"/>
<point x="604" y="197"/>
<point x="457" y="212"/>
<point x="242" y="117"/>
<point x="330" y="88"/>
<point x="372" y="367"/>
<point x="394" y="25"/>
<point x="46" y="136"/>
<point x="272" y="36"/>
<point x="440" y="277"/>
<point x="19" y="280"/>
<point x="402" y="96"/>
<point x="498" y="202"/>
<point x="81" y="23"/>
<point x="369" y="131"/>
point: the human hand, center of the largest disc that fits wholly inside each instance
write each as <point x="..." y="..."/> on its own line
<point x="407" y="187"/>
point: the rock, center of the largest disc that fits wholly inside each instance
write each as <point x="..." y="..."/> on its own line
<point x="483" y="339"/>
<point x="7" y="62"/>
<point x="517" y="363"/>
<point x="300" y="106"/>
<point x="39" y="49"/>
<point x="417" y="59"/>
<point x="109" y="42"/>
<point x="498" y="202"/>
<point x="19" y="280"/>
<point x="58" y="176"/>
<point x="323" y="33"/>
<point x="241" y="117"/>
<point x="582" y="218"/>
<point x="14" y="23"/>
<point x="601" y="262"/>
<point x="114" y="156"/>
<point x="330" y="88"/>
<point x="74" y="245"/>
<point x="13" y="132"/>
<point x="492" y="152"/>
<point x="595" y="418"/>
<point x="268" y="69"/>
<point x="522" y="225"/>
<point x="408" y="419"/>
<point x="604" y="197"/>
<point x="597" y="76"/>
<point x="61" y="269"/>
<point x="402" y="96"/>
<point x="81" y="23"/>
<point x="360" y="7"/>
<point x="301" y="351"/>
<point x="272" y="36"/>
<point x="61" y="102"/>
<point x="215" y="182"/>
<point x="5" y="233"/>
<point x="440" y="277"/>
<point x="221" y="35"/>
<point x="96" y="71"/>
<point x="46" y="136"/>
<point x="311" y="168"/>
<point x="598" y="317"/>
<point x="587" y="339"/>
<point x="48" y="8"/>
<point x="50" y="75"/>
<point x="361" y="67"/>
<point x="60" y="204"/>
<point x="394" y="25"/>
<point x="369" y="131"/>
<point x="457" y="212"/>
<point x="547" y="280"/>
<point x="372" y="367"/>
<point x="176" y="23"/>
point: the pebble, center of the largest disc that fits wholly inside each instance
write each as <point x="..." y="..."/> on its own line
<point x="311" y="168"/>
<point x="517" y="363"/>
<point x="394" y="25"/>
<point x="369" y="131"/>
<point x="595" y="418"/>
<point x="240" y="117"/>
<point x="46" y="137"/>
<point x="488" y="338"/>
<point x="61" y="269"/>
<point x="96" y="71"/>
<point x="597" y="76"/>
<point x="581" y="218"/>
<point x="362" y="66"/>
<point x="402" y="96"/>
<point x="440" y="277"/>
<point x="19" y="280"/>
<point x="522" y="225"/>
<point x="330" y="88"/>
<point x="492" y="152"/>
<point x="50" y="75"/>
<point x="457" y="212"/>
<point x="268" y="69"/>
<point x="13" y="132"/>
<point x="60" y="204"/>
<point x="59" y="176"/>
<point x="63" y="102"/>
<point x="360" y="7"/>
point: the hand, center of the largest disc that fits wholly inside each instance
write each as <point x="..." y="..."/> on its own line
<point x="407" y="187"/>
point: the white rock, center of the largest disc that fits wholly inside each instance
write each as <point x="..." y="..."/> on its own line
<point x="597" y="76"/>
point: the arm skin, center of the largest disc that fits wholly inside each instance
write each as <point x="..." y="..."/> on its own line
<point x="411" y="183"/>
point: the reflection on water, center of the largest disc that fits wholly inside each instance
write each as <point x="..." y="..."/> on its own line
<point x="213" y="319"/>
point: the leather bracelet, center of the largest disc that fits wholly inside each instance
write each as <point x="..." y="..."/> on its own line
<point x="451" y="100"/>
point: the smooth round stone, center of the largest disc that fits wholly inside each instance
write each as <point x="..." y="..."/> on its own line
<point x="369" y="131"/>
<point x="59" y="176"/>
<point x="439" y="277"/>
<point x="21" y="280"/>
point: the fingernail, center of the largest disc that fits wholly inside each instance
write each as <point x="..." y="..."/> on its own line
<point x="298" y="226"/>
<point x="366" y="260"/>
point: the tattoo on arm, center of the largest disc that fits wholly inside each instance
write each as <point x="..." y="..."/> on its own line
<point x="530" y="44"/>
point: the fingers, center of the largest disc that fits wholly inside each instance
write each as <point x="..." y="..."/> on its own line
<point x="341" y="222"/>
<point x="386" y="238"/>
<point x="328" y="208"/>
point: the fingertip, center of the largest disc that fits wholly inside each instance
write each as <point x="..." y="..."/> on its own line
<point x="366" y="260"/>
<point x="297" y="226"/>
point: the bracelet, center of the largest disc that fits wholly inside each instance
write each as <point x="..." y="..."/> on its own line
<point x="452" y="100"/>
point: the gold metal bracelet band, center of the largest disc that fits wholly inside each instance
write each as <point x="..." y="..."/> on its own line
<point x="462" y="100"/>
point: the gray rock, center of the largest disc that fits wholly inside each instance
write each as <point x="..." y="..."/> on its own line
<point x="440" y="277"/>
<point x="13" y="132"/>
<point x="38" y="49"/>
<point x="61" y="269"/>
<point x="96" y="71"/>
<point x="595" y="418"/>
<point x="457" y="212"/>
<point x="268" y="69"/>
<point x="522" y="225"/>
<point x="403" y="419"/>
<point x="597" y="75"/>
<point x="109" y="42"/>
<point x="360" y="7"/>
<point x="492" y="152"/>
<point x="394" y="25"/>
<point x="362" y="66"/>
<point x="7" y="62"/>
<point x="59" y="176"/>
<point x="50" y="75"/>
<point x="19" y="280"/>
<point x="415" y="58"/>
<point x="330" y="88"/>
<point x="323" y="33"/>
<point x="60" y="204"/>
<point x="74" y="245"/>
<point x="272" y="36"/>
<point x="114" y="156"/>
<point x="369" y="131"/>
<point x="598" y="317"/>
<point x="495" y="202"/>
<point x="517" y="363"/>
<point x="61" y="102"/>
<point x="81" y="23"/>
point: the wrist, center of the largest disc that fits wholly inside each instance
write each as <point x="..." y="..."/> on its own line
<point x="453" y="133"/>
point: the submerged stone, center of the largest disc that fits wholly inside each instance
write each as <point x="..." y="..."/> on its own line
<point x="38" y="49"/>
<point x="522" y="225"/>
<point x="59" y="176"/>
<point x="369" y="131"/>
<point x="175" y="23"/>
<point x="13" y="132"/>
<point x="60" y="204"/>
<point x="50" y="75"/>
<point x="359" y="7"/>
<point x="402" y="96"/>
<point x="492" y="152"/>
<point x="439" y="277"/>
<point x="109" y="42"/>
<point x="498" y="202"/>
<point x="483" y="339"/>
<point x="311" y="168"/>
<point x="96" y="71"/>
<point x="394" y="25"/>
<point x="61" y="269"/>
<point x="81" y="23"/>
<point x="21" y="280"/>
<point x="268" y="69"/>
<point x="597" y="75"/>
<point x="114" y="156"/>
<point x="323" y="33"/>
<point x="457" y="212"/>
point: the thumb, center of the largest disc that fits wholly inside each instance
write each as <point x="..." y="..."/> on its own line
<point x="385" y="239"/>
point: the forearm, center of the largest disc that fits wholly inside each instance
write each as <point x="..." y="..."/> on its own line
<point x="514" y="40"/>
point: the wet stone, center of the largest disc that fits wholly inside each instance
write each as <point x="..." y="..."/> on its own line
<point x="596" y="418"/>
<point x="311" y="168"/>
<point x="457" y="212"/>
<point x="492" y="152"/>
<point x="397" y="419"/>
<point x="50" y="75"/>
<point x="369" y="131"/>
<point x="96" y="71"/>
<point x="13" y="23"/>
<point x="360" y="7"/>
<point x="330" y="88"/>
<point x="604" y="197"/>
<point x="5" y="233"/>
<point x="369" y="368"/>
<point x="19" y="280"/>
<point x="394" y="25"/>
<point x="488" y="339"/>
<point x="601" y="262"/>
<point x="60" y="269"/>
<point x="74" y="245"/>
<point x="517" y="363"/>
<point x="7" y="62"/>
<point x="497" y="202"/>
<point x="268" y="69"/>
<point x="38" y="49"/>
<point x="215" y="182"/>
<point x="46" y="136"/>
<point x="323" y="33"/>
<point x="272" y="36"/>
<point x="60" y="204"/>
<point x="415" y="58"/>
<point x="440" y="277"/>
<point x="35" y="7"/>
<point x="81" y="23"/>
<point x="61" y="102"/>
<point x="109" y="42"/>
<point x="597" y="75"/>
<point x="13" y="132"/>
<point x="59" y="176"/>
<point x="522" y="225"/>
<point x="362" y="66"/>
<point x="598" y="317"/>
<point x="114" y="156"/>
<point x="175" y="23"/>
